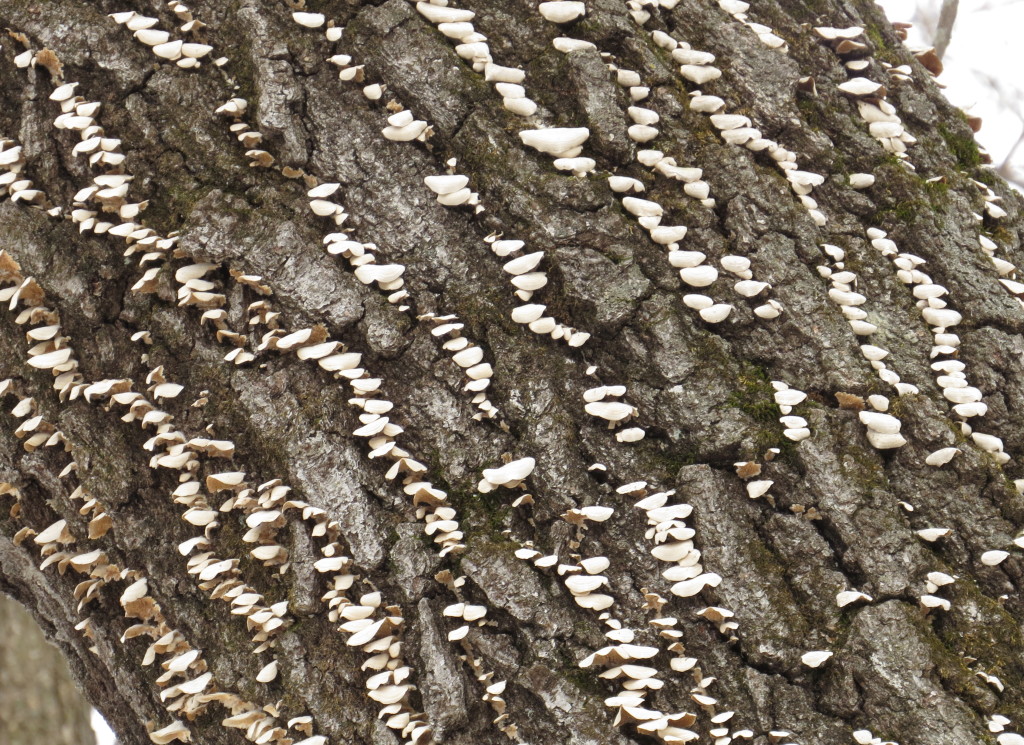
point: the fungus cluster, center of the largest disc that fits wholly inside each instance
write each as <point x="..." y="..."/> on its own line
<point x="456" y="24"/>
<point x="185" y="54"/>
<point x="880" y="115"/>
<point x="522" y="269"/>
<point x="583" y="578"/>
<point x="673" y="545"/>
<point x="786" y="398"/>
<point x="643" y="131"/>
<point x="388" y="278"/>
<point x="601" y="402"/>
<point x="950" y="377"/>
<point x="187" y="686"/>
<point x="565" y="145"/>
<point x="468" y="356"/>
<point x="738" y="10"/>
<point x="696" y="67"/>
<point x="935" y="580"/>
<point x="207" y="518"/>
<point x="366" y="618"/>
<point x="997" y="725"/>
<point x="13" y="182"/>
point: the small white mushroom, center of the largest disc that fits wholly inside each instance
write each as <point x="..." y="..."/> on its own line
<point x="700" y="74"/>
<point x="559" y="141"/>
<point x="756" y="489"/>
<point x="859" y="87"/>
<point x="309" y="20"/>
<point x="699" y="276"/>
<point x="816" y="658"/>
<point x="941" y="457"/>
<point x="994" y="558"/>
<point x="933" y="534"/>
<point x="562" y="11"/>
<point x="847" y="597"/>
<point x="268" y="673"/>
<point x="445" y="184"/>
<point x="613" y="411"/>
<point x="715" y="313"/>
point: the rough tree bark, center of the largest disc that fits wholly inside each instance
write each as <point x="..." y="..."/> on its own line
<point x="837" y="517"/>
<point x="39" y="701"/>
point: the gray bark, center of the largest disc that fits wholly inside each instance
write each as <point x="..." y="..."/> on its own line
<point x="703" y="391"/>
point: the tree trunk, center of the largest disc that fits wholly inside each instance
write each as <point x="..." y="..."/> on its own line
<point x="38" y="700"/>
<point x="252" y="556"/>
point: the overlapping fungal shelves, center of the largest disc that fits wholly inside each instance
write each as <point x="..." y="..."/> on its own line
<point x="738" y="10"/>
<point x="266" y="509"/>
<point x="844" y="610"/>
<point x="362" y="257"/>
<point x="388" y="686"/>
<point x="187" y="55"/>
<point x="624" y="660"/>
<point x="451" y="190"/>
<point x="565" y="145"/>
<point x="697" y="67"/>
<point x="883" y="122"/>
<point x="966" y="400"/>
<point x="186" y="698"/>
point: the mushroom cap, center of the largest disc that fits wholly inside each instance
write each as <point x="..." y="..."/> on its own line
<point x="816" y="658"/>
<point x="512" y="472"/>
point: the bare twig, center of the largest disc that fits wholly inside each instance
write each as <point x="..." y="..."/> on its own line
<point x="944" y="30"/>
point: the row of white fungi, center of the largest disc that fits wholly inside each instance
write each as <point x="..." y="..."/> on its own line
<point x="1007" y="270"/>
<point x="52" y="351"/>
<point x="584" y="578"/>
<point x="185" y="54"/>
<point x="401" y="716"/>
<point x="471" y="45"/>
<point x="965" y="398"/>
<point x="643" y="130"/>
<point x="738" y="10"/>
<point x="786" y="397"/>
<point x="649" y="214"/>
<point x="566" y="144"/>
<point x="735" y="129"/>
<point x="883" y="122"/>
<point x="886" y="126"/>
<point x="883" y="430"/>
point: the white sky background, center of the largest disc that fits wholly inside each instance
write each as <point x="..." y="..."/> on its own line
<point x="983" y="68"/>
<point x="984" y="75"/>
